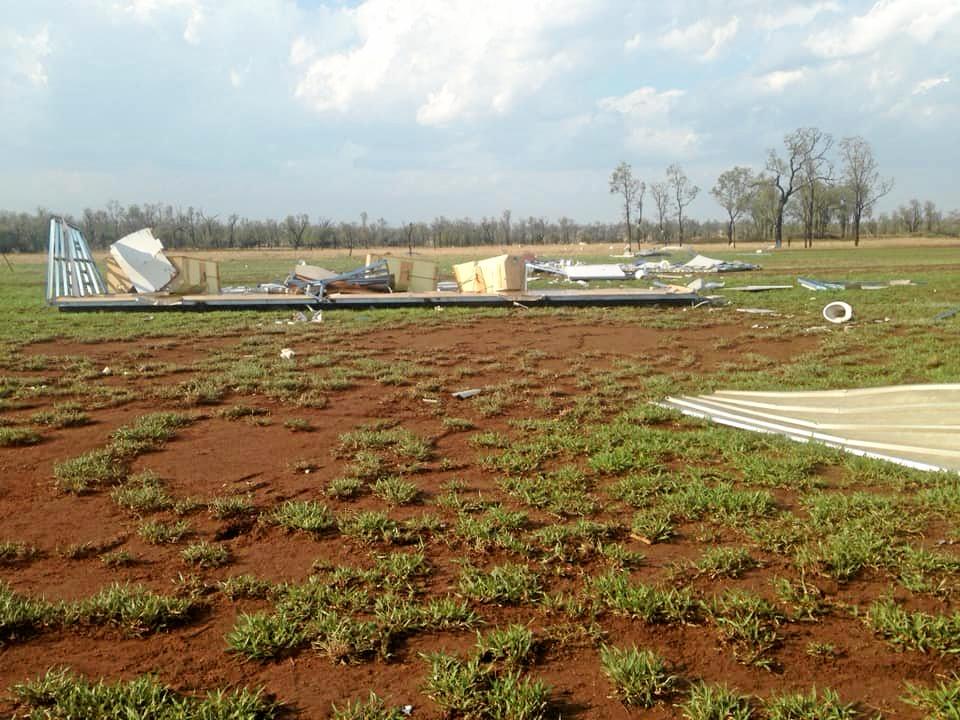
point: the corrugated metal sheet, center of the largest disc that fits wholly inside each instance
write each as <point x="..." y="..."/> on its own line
<point x="71" y="270"/>
<point x="913" y="425"/>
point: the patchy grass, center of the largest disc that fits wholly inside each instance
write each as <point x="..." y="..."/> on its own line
<point x="306" y="515"/>
<point x="639" y="677"/>
<point x="18" y="437"/>
<point x="206" y="555"/>
<point x="62" y="694"/>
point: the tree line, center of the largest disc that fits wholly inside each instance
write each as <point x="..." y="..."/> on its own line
<point x="803" y="191"/>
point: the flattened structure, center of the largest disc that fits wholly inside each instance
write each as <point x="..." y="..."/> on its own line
<point x="916" y="426"/>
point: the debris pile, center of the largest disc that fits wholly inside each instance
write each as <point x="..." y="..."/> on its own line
<point x="142" y="275"/>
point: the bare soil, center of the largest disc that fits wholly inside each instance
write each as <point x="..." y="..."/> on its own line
<point x="216" y="457"/>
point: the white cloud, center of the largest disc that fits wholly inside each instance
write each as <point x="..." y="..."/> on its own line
<point x="26" y="56"/>
<point x="646" y="116"/>
<point x="191" y="33"/>
<point x="778" y="80"/>
<point x="450" y="59"/>
<point x="886" y="20"/>
<point x="712" y="35"/>
<point x="301" y="50"/>
<point x="147" y="11"/>
<point x="925" y="86"/>
<point x="795" y="15"/>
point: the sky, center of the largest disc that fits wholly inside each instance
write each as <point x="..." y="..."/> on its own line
<point x="414" y="109"/>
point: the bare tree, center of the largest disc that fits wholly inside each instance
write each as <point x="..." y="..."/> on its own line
<point x="817" y="179"/>
<point x="683" y="193"/>
<point x="624" y="184"/>
<point x="661" y="198"/>
<point x="640" y="195"/>
<point x="296" y="226"/>
<point x="804" y="146"/>
<point x="862" y="178"/>
<point x="505" y="219"/>
<point x="931" y="216"/>
<point x="734" y="192"/>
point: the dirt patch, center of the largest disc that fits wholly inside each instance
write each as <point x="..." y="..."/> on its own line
<point x="265" y="463"/>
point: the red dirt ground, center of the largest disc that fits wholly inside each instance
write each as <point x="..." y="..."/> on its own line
<point x="216" y="457"/>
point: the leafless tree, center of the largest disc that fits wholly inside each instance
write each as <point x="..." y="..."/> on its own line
<point x="624" y="184"/>
<point x="734" y="191"/>
<point x="661" y="198"/>
<point x="683" y="193"/>
<point x="296" y="227"/>
<point x="931" y="216"/>
<point x="805" y="147"/>
<point x="505" y="220"/>
<point x="862" y="178"/>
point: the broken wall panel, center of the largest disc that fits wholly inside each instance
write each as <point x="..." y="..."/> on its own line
<point x="140" y="257"/>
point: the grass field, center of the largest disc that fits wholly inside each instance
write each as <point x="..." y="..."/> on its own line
<point x="194" y="528"/>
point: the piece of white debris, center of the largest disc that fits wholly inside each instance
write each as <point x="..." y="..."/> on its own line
<point x="287" y="354"/>
<point x="407" y="709"/>
<point x="107" y="371"/>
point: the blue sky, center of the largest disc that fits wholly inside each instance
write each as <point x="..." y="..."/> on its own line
<point x="412" y="109"/>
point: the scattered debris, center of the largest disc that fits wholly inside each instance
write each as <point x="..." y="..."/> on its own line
<point x="107" y="371"/>
<point x="760" y="288"/>
<point x="287" y="354"/>
<point x="946" y="314"/>
<point x="464" y="394"/>
<point x="757" y="311"/>
<point x="838" y="312"/>
<point x="912" y="425"/>
<point x="820" y="285"/>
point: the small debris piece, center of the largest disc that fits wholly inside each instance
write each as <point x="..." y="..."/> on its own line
<point x="107" y="371"/>
<point x="287" y="354"/>
<point x="464" y="394"/>
<point x="838" y="312"/>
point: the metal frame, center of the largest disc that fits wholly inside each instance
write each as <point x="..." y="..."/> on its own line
<point x="71" y="269"/>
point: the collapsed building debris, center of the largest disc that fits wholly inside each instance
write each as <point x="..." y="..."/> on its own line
<point x="142" y="276"/>
<point x="318" y="281"/>
<point x="912" y="425"/>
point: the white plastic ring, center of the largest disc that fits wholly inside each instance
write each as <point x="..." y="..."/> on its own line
<point x="838" y="312"/>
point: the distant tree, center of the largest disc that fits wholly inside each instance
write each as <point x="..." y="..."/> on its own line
<point x="661" y="198"/>
<point x="734" y="191"/>
<point x="624" y="184"/>
<point x="805" y="147"/>
<point x="505" y="220"/>
<point x="640" y="196"/>
<point x="862" y="179"/>
<point x="683" y="193"/>
<point x="296" y="227"/>
<point x="931" y="216"/>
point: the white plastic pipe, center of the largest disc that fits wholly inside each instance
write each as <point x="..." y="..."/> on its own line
<point x="838" y="312"/>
